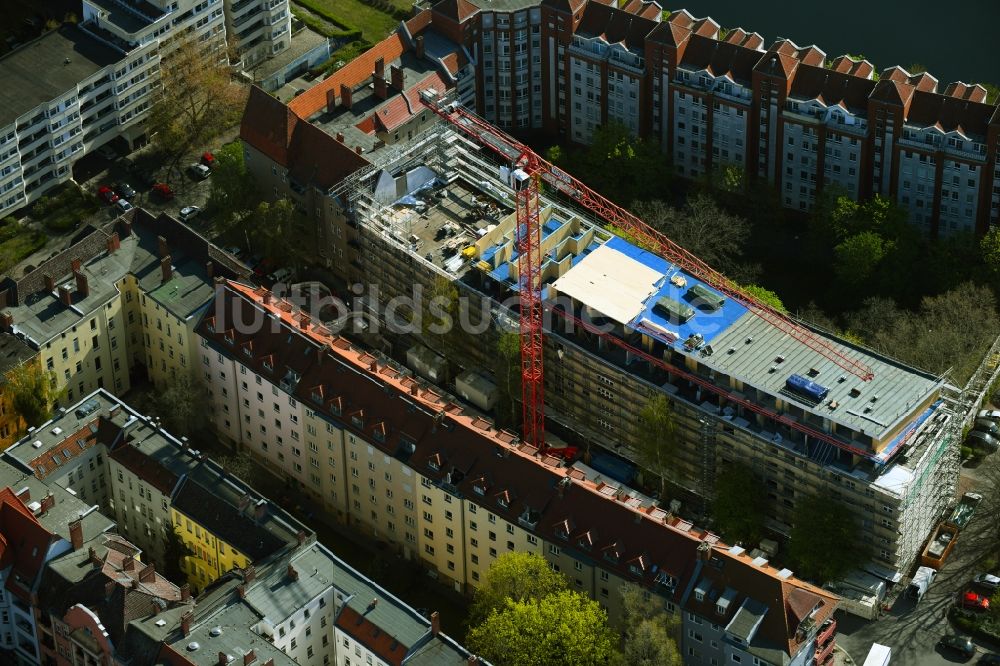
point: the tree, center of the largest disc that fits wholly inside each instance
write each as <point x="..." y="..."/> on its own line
<point x="233" y="194"/>
<point x="765" y="296"/>
<point x="561" y="628"/>
<point x="992" y="93"/>
<point x="32" y="392"/>
<point x="825" y="541"/>
<point x="508" y="372"/>
<point x="989" y="247"/>
<point x="621" y="166"/>
<point x="240" y="465"/>
<point x="199" y="98"/>
<point x="181" y="405"/>
<point x="857" y="257"/>
<point x="657" y="443"/>
<point x="703" y="228"/>
<point x="270" y="227"/>
<point x="650" y="633"/>
<point x="514" y="576"/>
<point x="740" y="505"/>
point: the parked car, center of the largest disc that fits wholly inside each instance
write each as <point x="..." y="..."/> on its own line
<point x="983" y="441"/>
<point x="263" y="267"/>
<point x="123" y="205"/>
<point x="961" y="644"/>
<point x="125" y="191"/>
<point x="106" y="194"/>
<point x="989" y="581"/>
<point x="990" y="658"/>
<point x="234" y="250"/>
<point x="199" y="171"/>
<point x="163" y="191"/>
<point x="189" y="212"/>
<point x="107" y="152"/>
<point x="253" y="260"/>
<point x="208" y="159"/>
<point x="987" y="426"/>
<point x="280" y="275"/>
<point x="974" y="601"/>
<point x="992" y="414"/>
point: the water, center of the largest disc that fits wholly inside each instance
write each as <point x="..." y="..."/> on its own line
<point x="955" y="41"/>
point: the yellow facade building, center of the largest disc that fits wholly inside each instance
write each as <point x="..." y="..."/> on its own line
<point x="14" y="353"/>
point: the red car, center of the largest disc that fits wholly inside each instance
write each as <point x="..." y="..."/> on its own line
<point x="163" y="191"/>
<point x="974" y="601"/>
<point x="264" y="267"/>
<point x="107" y="195"/>
<point x="208" y="159"/>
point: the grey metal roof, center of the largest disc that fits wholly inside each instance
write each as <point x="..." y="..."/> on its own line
<point x="899" y="389"/>
<point x="52" y="65"/>
<point x="747" y="619"/>
<point x="276" y="596"/>
<point x="236" y="639"/>
<point x="13" y="352"/>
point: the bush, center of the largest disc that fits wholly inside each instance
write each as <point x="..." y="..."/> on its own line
<point x="41" y="207"/>
<point x="347" y="30"/>
<point x="979" y="626"/>
<point x="967" y="452"/>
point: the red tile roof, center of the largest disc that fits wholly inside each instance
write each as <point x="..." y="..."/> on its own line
<point x="352" y="74"/>
<point x="950" y="113"/>
<point x="832" y="87"/>
<point x="615" y="26"/>
<point x="73" y="445"/>
<point x="24" y="543"/>
<point x="268" y="124"/>
<point x="457" y="10"/>
<point x="403" y="106"/>
<point x="720" y="58"/>
<point x="419" y="23"/>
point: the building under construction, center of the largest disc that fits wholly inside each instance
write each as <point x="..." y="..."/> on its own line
<point x="742" y="389"/>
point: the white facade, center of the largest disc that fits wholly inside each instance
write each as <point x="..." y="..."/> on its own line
<point x="260" y="28"/>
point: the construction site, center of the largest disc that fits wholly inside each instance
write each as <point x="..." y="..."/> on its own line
<point x="811" y="414"/>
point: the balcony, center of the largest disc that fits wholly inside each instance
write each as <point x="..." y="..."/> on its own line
<point x="825" y="633"/>
<point x="825" y="655"/>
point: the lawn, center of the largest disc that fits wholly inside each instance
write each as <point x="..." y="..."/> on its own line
<point x="17" y="243"/>
<point x="64" y="207"/>
<point x="373" y="24"/>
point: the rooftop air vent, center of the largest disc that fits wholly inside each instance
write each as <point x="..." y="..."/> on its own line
<point x="160" y="623"/>
<point x="841" y="379"/>
<point x="748" y="340"/>
<point x="855" y="392"/>
<point x="215" y="631"/>
<point x="779" y="359"/>
<point x="192" y="646"/>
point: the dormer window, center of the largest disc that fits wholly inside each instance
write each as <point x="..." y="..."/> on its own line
<point x="479" y="489"/>
<point x="435" y="462"/>
<point x="247" y="351"/>
<point x="665" y="579"/>
<point x="699" y="595"/>
<point x="358" y="420"/>
<point x="317" y="395"/>
<point x="229" y="336"/>
<point x="379" y="434"/>
<point x="210" y="325"/>
<point x="335" y="407"/>
<point x="268" y="364"/>
<point x="586" y="540"/>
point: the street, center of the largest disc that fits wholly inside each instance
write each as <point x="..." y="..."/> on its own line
<point x="912" y="631"/>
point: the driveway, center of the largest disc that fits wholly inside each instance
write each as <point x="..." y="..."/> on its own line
<point x="912" y="630"/>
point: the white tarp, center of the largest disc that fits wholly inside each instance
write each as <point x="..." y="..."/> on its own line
<point x="611" y="283"/>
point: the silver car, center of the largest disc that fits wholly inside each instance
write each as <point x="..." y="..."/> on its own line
<point x="989" y="581"/>
<point x="189" y="212"/>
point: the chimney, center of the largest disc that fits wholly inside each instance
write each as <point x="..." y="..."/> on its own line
<point x="301" y="536"/>
<point x="3" y="298"/>
<point x="381" y="88"/>
<point x="340" y="137"/>
<point x="435" y="623"/>
<point x="261" y="510"/>
<point x="48" y="502"/>
<point x="210" y="270"/>
<point x="186" y="623"/>
<point x="250" y="574"/>
<point x="81" y="283"/>
<point x="398" y="77"/>
<point x="358" y="150"/>
<point x="129" y="564"/>
<point x="154" y="609"/>
<point x="223" y="658"/>
<point x="304" y="321"/>
<point x="249" y="658"/>
<point x="75" y="265"/>
<point x="266" y="298"/>
<point x="414" y="388"/>
<point x="419" y="46"/>
<point x="114" y="243"/>
<point x="148" y="574"/>
<point x="292" y="573"/>
<point x="185" y="592"/>
<point x="346" y="96"/>
<point x="126" y="227"/>
<point x="50" y="283"/>
<point x="94" y="559"/>
<point x="269" y="662"/>
<point x="6" y="322"/>
<point x="331" y="101"/>
<point x="162" y="243"/>
<point x="380" y="68"/>
<point x="473" y="660"/>
<point x="24" y="495"/>
<point x="65" y="296"/>
<point x="76" y="534"/>
<point x="165" y="269"/>
<point x="109" y="588"/>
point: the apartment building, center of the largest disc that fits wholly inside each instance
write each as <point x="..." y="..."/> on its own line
<point x="286" y="598"/>
<point x="260" y="29"/>
<point x="403" y="462"/>
<point x="14" y="353"/>
<point x="102" y="75"/>
<point x="715" y="97"/>
<point x="123" y="299"/>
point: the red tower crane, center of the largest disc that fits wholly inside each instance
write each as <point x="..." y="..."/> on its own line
<point x="527" y="168"/>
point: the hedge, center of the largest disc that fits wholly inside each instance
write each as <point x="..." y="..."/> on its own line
<point x="978" y="626"/>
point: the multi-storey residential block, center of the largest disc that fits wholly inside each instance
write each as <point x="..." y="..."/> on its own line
<point x="125" y="298"/>
<point x="400" y="461"/>
<point x="259" y="28"/>
<point x="14" y="353"/>
<point x="78" y="593"/>
<point x="716" y="98"/>
<point x="897" y="471"/>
